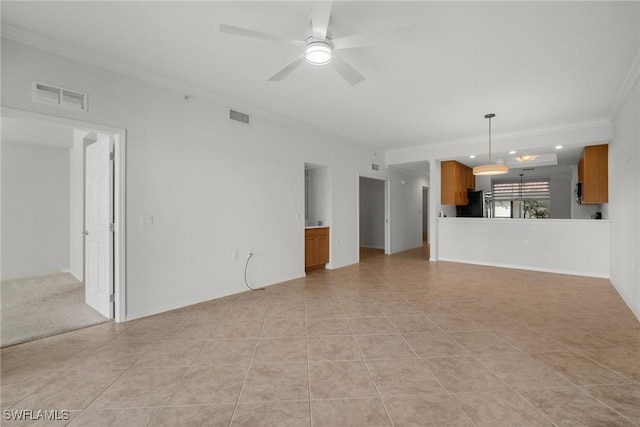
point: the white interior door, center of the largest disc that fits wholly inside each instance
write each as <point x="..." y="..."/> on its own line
<point x="98" y="261"/>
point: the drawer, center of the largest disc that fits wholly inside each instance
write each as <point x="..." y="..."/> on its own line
<point x="316" y="232"/>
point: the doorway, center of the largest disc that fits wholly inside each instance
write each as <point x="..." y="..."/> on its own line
<point x="373" y="215"/>
<point x="43" y="226"/>
<point x="425" y="221"/>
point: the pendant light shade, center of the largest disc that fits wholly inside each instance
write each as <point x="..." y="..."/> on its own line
<point x="491" y="168"/>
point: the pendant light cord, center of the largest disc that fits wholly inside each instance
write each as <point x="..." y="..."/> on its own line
<point x="490" y="158"/>
<point x="489" y="116"/>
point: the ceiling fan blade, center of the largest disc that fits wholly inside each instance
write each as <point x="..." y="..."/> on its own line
<point x="378" y="37"/>
<point x="287" y="70"/>
<point x="320" y="14"/>
<point x="347" y="71"/>
<point x="230" y="29"/>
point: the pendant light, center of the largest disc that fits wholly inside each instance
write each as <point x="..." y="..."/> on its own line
<point x="491" y="168"/>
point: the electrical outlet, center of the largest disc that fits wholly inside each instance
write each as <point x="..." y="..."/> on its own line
<point x="234" y="255"/>
<point x="526" y="243"/>
<point x="249" y="252"/>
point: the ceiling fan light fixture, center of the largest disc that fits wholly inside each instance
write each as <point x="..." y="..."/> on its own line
<point x="318" y="53"/>
<point x="527" y="158"/>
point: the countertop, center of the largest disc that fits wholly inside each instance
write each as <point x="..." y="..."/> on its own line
<point x="316" y="226"/>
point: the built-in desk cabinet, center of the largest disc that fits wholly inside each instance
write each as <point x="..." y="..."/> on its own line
<point x="455" y="180"/>
<point x="593" y="174"/>
<point x="316" y="248"/>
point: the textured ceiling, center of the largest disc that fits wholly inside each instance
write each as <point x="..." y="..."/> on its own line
<point x="536" y="65"/>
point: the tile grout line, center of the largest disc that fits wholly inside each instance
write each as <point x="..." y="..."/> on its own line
<point x="246" y="374"/>
<point x="181" y="379"/>
<point x="605" y="404"/>
<point x="511" y="388"/>
<point x="384" y="405"/>
<point x="438" y="380"/>
<point x="117" y="378"/>
<point x="306" y="331"/>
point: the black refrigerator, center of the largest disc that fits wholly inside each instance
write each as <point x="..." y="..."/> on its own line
<point x="475" y="207"/>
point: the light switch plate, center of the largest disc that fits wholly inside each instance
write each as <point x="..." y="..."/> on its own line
<point x="146" y="220"/>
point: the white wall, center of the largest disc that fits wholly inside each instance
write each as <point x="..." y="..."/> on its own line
<point x="319" y="196"/>
<point x="372" y="221"/>
<point x="624" y="201"/>
<point x="560" y="196"/>
<point x="76" y="205"/>
<point x="35" y="209"/>
<point x="213" y="186"/>
<point x="406" y="209"/>
<point x="582" y="211"/>
<point x="554" y="245"/>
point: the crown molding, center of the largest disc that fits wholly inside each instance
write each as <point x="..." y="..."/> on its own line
<point x="572" y="127"/>
<point x="625" y="88"/>
<point x="585" y="133"/>
<point x="37" y="41"/>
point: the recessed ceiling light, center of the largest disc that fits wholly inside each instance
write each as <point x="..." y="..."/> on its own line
<point x="558" y="147"/>
<point x="527" y="158"/>
<point x="473" y="156"/>
<point x="512" y="152"/>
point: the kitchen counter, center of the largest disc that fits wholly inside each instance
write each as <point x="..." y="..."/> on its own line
<point x="524" y="220"/>
<point x="569" y="246"/>
<point x="316" y="226"/>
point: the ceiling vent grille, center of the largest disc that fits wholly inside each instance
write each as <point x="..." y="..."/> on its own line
<point x="239" y="117"/>
<point x="50" y="94"/>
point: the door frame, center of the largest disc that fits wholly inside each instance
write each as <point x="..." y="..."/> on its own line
<point x="387" y="213"/>
<point x="119" y="192"/>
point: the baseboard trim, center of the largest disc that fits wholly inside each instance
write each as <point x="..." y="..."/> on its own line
<point x="78" y="277"/>
<point x="527" y="267"/>
<point x="624" y="298"/>
<point x="372" y="247"/>
<point x="198" y="300"/>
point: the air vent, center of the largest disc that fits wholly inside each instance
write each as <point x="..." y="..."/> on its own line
<point x="239" y="117"/>
<point x="375" y="166"/>
<point x="50" y="94"/>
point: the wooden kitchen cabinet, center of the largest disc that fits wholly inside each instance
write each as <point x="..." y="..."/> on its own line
<point x="316" y="248"/>
<point x="455" y="180"/>
<point x="593" y="174"/>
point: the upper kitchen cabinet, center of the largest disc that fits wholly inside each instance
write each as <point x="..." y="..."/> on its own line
<point x="593" y="174"/>
<point x="455" y="180"/>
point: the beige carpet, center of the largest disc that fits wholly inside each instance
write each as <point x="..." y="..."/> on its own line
<point x="36" y="307"/>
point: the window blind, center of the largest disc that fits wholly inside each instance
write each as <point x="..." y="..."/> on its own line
<point x="527" y="190"/>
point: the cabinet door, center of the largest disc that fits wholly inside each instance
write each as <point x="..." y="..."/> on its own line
<point x="447" y="183"/>
<point x="462" y="180"/>
<point x="310" y="251"/>
<point x="595" y="174"/>
<point x="323" y="249"/>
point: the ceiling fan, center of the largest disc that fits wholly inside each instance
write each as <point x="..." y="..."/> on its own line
<point x="319" y="48"/>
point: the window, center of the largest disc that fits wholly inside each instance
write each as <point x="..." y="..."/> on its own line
<point x="521" y="199"/>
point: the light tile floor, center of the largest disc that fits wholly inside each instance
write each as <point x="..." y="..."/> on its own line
<point x="392" y="341"/>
